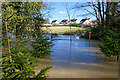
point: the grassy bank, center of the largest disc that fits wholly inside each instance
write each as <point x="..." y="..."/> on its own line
<point x="64" y="29"/>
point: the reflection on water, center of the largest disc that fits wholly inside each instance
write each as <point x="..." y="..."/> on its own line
<point x="77" y="60"/>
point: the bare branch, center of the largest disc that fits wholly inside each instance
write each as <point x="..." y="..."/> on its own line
<point x="86" y="14"/>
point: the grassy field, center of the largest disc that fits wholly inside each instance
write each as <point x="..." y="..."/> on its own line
<point x="64" y="29"/>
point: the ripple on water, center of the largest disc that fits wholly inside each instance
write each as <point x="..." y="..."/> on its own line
<point x="78" y="60"/>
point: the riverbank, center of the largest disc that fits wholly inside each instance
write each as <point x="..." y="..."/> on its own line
<point x="65" y="29"/>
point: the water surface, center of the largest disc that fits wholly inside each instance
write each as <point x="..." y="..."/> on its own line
<point x="75" y="59"/>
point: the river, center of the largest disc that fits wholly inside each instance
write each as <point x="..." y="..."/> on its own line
<point x="75" y="59"/>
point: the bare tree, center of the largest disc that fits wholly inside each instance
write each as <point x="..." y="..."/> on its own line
<point x="70" y="15"/>
<point x="99" y="9"/>
<point x="69" y="19"/>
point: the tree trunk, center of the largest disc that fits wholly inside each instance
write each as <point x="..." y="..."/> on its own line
<point x="7" y="36"/>
<point x="3" y="36"/>
<point x="118" y="58"/>
<point x="17" y="31"/>
<point x="107" y="14"/>
<point x="69" y="20"/>
<point x="8" y="41"/>
<point x="103" y="11"/>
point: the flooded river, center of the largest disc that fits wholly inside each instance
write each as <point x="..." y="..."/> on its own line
<point x="77" y="60"/>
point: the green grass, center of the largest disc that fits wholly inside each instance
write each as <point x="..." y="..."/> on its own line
<point x="64" y="29"/>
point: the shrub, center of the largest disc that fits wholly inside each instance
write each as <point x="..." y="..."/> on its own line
<point x="111" y="44"/>
<point x="22" y="66"/>
<point x="76" y="25"/>
<point x="42" y="46"/>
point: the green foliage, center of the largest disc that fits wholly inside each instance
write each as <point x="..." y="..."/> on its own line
<point x="21" y="67"/>
<point x="41" y="45"/>
<point x="110" y="21"/>
<point x="42" y="74"/>
<point x="21" y="18"/>
<point x="4" y="41"/>
<point x="111" y="44"/>
<point x="21" y="46"/>
<point x="97" y="33"/>
<point x="108" y="32"/>
<point x="76" y="25"/>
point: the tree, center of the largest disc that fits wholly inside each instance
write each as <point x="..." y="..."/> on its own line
<point x="46" y="21"/>
<point x="107" y="28"/>
<point x="69" y="20"/>
<point x="41" y="45"/>
<point x="69" y="17"/>
<point x="111" y="44"/>
<point x="23" y="17"/>
<point x="99" y="9"/>
<point x="17" y="16"/>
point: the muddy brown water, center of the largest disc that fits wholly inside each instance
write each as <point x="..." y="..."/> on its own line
<point x="77" y="60"/>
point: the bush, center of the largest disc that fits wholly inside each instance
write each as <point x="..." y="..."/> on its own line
<point x="76" y="25"/>
<point x="42" y="46"/>
<point x="111" y="44"/>
<point x="22" y="66"/>
<point x="97" y="32"/>
<point x="42" y="74"/>
<point x="110" y="47"/>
